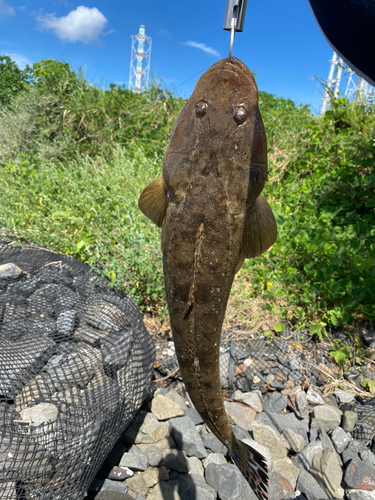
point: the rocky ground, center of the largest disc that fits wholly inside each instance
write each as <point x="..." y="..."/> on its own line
<point x="317" y="447"/>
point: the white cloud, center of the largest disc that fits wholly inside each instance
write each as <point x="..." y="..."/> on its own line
<point x="19" y="59"/>
<point x="5" y="9"/>
<point x="203" y="46"/>
<point x="80" y="25"/>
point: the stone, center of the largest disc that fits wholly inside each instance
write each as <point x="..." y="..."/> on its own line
<point x="304" y="459"/>
<point x="340" y="439"/>
<point x="195" y="466"/>
<point x="349" y="420"/>
<point x="279" y="487"/>
<point x="309" y="487"/>
<point x="229" y="483"/>
<point x="8" y="491"/>
<point x="175" y="460"/>
<point x="164" y="409"/>
<point x="314" y="396"/>
<point x="154" y="474"/>
<point x="174" y="396"/>
<point x="194" y="416"/>
<point x="326" y="416"/>
<point x="65" y="322"/>
<point x="360" y="475"/>
<point x="253" y="399"/>
<point x="39" y="414"/>
<point x="368" y="456"/>
<point x="115" y="495"/>
<point x="326" y="469"/>
<point x="294" y="442"/>
<point x="242" y="416"/>
<point x="211" y="442"/>
<point x="186" y="437"/>
<point x="117" y="486"/>
<point x="193" y="487"/>
<point x="138" y="484"/>
<point x="287" y="421"/>
<point x="285" y="467"/>
<point x="120" y="473"/>
<point x="352" y="451"/>
<point x="343" y="396"/>
<point x="323" y="437"/>
<point x="368" y="337"/>
<point x="134" y="459"/>
<point x="163" y="491"/>
<point x="240" y="433"/>
<point x="214" y="458"/>
<point x="275" y="402"/>
<point x="360" y="495"/>
<point x="363" y="431"/>
<point x="301" y="405"/>
<point x="267" y="436"/>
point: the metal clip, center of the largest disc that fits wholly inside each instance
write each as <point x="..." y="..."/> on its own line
<point x="234" y="9"/>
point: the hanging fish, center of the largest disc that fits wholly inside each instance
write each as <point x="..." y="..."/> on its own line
<point x="213" y="217"/>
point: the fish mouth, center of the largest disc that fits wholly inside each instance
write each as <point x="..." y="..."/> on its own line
<point x="233" y="64"/>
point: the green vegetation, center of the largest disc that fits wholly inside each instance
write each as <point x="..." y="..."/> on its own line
<point x="74" y="158"/>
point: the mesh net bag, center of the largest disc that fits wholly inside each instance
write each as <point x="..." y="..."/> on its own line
<point x="75" y="365"/>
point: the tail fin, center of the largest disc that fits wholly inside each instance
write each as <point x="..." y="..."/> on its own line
<point x="253" y="467"/>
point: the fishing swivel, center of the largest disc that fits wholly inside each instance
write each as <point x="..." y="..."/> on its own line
<point x="234" y="19"/>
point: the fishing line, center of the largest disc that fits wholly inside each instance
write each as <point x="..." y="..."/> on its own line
<point x="160" y="98"/>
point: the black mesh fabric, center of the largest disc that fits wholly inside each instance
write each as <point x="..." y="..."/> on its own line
<point x="75" y="365"/>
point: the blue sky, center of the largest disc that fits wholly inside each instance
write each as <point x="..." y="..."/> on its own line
<point x="281" y="40"/>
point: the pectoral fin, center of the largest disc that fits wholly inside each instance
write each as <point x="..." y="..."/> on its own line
<point x="153" y="201"/>
<point x="260" y="231"/>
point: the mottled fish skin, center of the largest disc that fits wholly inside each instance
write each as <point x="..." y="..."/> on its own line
<point x="213" y="217"/>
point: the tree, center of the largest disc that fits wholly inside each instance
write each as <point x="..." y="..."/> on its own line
<point x="12" y="80"/>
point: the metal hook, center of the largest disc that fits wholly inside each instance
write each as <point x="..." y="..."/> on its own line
<point x="234" y="19"/>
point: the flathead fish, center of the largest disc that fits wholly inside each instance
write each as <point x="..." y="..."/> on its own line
<point x="213" y="217"/>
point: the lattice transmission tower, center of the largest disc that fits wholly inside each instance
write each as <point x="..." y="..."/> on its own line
<point x="140" y="58"/>
<point x="356" y="87"/>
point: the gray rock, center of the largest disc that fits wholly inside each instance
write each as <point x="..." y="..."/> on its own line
<point x="275" y="403"/>
<point x="8" y="491"/>
<point x="214" y="458"/>
<point x="368" y="337"/>
<point x="327" y="417"/>
<point x="294" y="442"/>
<point x="325" y="440"/>
<point x="240" y="433"/>
<point x="195" y="465"/>
<point x="285" y="467"/>
<point x="194" y="416"/>
<point x="108" y="485"/>
<point x="162" y="491"/>
<point x="116" y="495"/>
<point x="65" y="322"/>
<point x="240" y="415"/>
<point x="309" y="486"/>
<point x="267" y="436"/>
<point x="340" y="439"/>
<point x="164" y="409"/>
<point x="229" y="483"/>
<point x="154" y="455"/>
<point x="279" y="487"/>
<point x="363" y="431"/>
<point x="301" y="405"/>
<point x="42" y="413"/>
<point x="120" y="473"/>
<point x="314" y="396"/>
<point x="194" y="487"/>
<point x="186" y="437"/>
<point x="174" y="396"/>
<point x="115" y="348"/>
<point x="343" y="396"/>
<point x="253" y="399"/>
<point x="327" y="471"/>
<point x="349" y="420"/>
<point x="353" y="451"/>
<point x="360" y="475"/>
<point x="304" y="459"/>
<point x="9" y="271"/>
<point x="134" y="459"/>
<point x="138" y="484"/>
<point x="287" y="421"/>
<point x="368" y="456"/>
<point x="175" y="460"/>
<point x="211" y="442"/>
<point x="360" y="495"/>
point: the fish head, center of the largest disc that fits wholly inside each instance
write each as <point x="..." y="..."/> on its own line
<point x="220" y="131"/>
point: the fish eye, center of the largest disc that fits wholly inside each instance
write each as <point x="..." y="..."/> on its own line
<point x="200" y="109"/>
<point x="239" y="115"/>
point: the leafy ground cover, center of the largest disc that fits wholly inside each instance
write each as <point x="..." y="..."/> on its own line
<point x="74" y="158"/>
